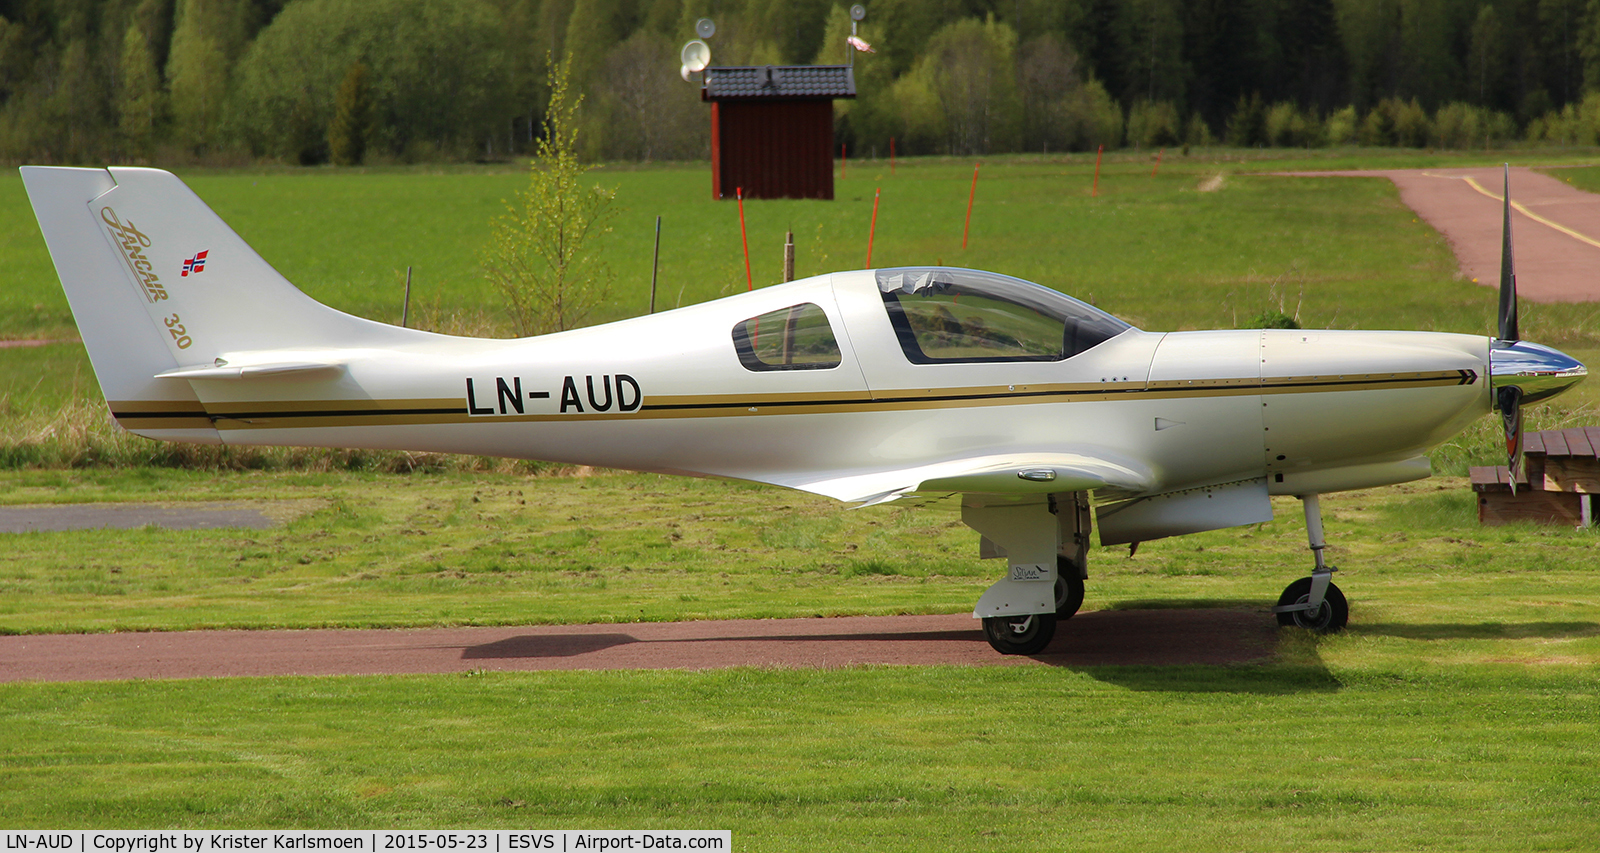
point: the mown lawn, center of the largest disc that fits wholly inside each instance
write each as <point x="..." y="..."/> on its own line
<point x="1310" y="754"/>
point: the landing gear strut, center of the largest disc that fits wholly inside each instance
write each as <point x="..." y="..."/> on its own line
<point x="1314" y="602"/>
<point x="1044" y="544"/>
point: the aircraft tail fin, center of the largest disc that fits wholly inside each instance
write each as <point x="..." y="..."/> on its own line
<point x="159" y="284"/>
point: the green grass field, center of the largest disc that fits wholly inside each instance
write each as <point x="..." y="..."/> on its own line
<point x="1458" y="712"/>
<point x="1156" y="251"/>
<point x="936" y="758"/>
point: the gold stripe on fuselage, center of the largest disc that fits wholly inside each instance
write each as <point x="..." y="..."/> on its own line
<point x="159" y="414"/>
<point x="281" y="414"/>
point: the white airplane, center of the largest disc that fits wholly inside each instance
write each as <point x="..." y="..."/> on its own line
<point x="915" y="384"/>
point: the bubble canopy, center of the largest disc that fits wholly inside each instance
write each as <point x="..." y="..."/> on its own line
<point x="945" y="314"/>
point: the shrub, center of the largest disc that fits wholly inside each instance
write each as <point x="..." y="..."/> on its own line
<point x="1197" y="132"/>
<point x="1412" y="129"/>
<point x="1093" y="118"/>
<point x="1377" y="128"/>
<point x="1341" y="126"/>
<point x="1247" y="127"/>
<point x="1271" y="319"/>
<point x="1288" y="127"/>
<point x="1153" y="124"/>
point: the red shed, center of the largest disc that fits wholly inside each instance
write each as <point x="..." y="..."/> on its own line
<point x="772" y="128"/>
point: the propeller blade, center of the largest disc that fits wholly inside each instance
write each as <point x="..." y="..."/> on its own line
<point x="1508" y="275"/>
<point x="1510" y="400"/>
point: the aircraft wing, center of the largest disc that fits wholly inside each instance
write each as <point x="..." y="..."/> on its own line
<point x="1019" y="473"/>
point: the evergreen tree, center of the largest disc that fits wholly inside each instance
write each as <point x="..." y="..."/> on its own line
<point x="1589" y="47"/>
<point x="1156" y="67"/>
<point x="1560" y="29"/>
<point x="352" y="117"/>
<point x="139" y="96"/>
<point x="1487" y="59"/>
<point x="594" y="28"/>
<point x="1315" y="74"/>
<point x="197" y="78"/>
<point x="1247" y="127"/>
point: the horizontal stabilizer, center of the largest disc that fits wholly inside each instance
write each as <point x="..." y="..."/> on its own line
<point x="283" y="369"/>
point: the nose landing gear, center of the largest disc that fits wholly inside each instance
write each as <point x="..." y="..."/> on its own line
<point x="1314" y="603"/>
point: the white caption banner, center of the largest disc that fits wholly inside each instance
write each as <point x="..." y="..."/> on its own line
<point x="364" y="841"/>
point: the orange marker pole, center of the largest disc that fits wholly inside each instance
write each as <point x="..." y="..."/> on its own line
<point x="1097" y="156"/>
<point x="873" y="230"/>
<point x="891" y="155"/>
<point x="970" y="196"/>
<point x="750" y="282"/>
<point x="1158" y="162"/>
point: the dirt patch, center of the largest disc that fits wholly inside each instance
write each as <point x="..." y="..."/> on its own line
<point x="36" y="343"/>
<point x="1555" y="227"/>
<point x="1102" y="638"/>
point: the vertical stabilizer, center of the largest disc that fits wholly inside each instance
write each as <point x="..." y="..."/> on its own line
<point x="113" y="315"/>
<point x="158" y="282"/>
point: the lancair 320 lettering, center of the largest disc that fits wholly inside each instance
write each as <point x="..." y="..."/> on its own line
<point x="1041" y="415"/>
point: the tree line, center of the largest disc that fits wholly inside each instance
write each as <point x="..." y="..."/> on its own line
<point x="348" y="81"/>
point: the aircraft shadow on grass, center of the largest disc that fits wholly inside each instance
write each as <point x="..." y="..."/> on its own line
<point x="1173" y="648"/>
<point x="1484" y="630"/>
<point x="546" y="646"/>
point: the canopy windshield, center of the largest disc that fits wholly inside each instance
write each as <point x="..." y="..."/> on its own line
<point x="941" y="314"/>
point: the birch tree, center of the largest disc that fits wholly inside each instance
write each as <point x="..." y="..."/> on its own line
<point x="541" y="254"/>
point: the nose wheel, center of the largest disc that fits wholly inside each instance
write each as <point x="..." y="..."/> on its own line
<point x="1020" y="635"/>
<point x="1294" y="608"/>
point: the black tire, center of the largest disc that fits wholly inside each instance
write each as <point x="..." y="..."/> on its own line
<point x="1069" y="589"/>
<point x="1020" y="635"/>
<point x="1331" y="617"/>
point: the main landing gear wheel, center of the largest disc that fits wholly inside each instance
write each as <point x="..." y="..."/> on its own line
<point x="1020" y="635"/>
<point x="1332" y="616"/>
<point x="1069" y="589"/>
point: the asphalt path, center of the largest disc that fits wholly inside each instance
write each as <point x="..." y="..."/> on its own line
<point x="1555" y="226"/>
<point x="1100" y="638"/>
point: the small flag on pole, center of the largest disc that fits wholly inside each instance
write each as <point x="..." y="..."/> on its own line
<point x="860" y="45"/>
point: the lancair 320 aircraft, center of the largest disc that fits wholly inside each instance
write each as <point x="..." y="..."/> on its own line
<point x="1032" y="409"/>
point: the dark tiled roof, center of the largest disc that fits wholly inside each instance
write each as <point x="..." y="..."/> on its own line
<point x="780" y="81"/>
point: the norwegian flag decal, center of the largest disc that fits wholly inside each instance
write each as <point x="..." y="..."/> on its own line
<point x="196" y="264"/>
